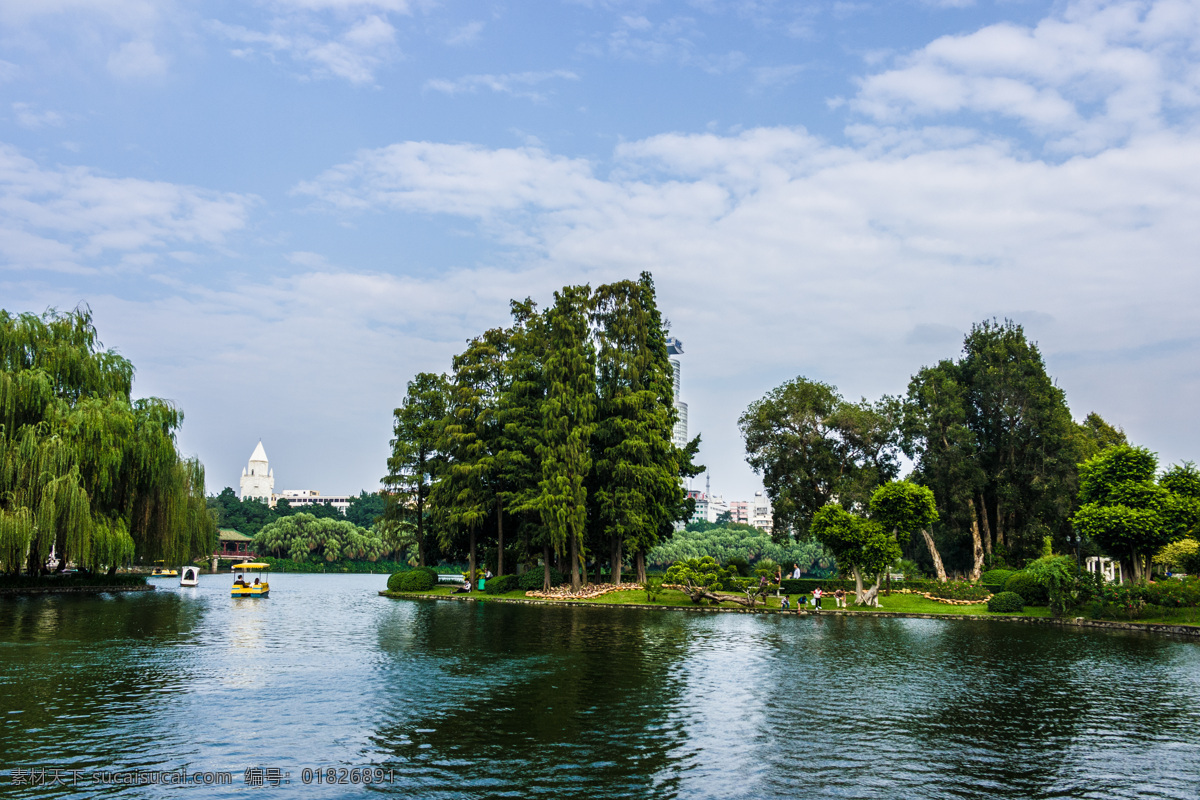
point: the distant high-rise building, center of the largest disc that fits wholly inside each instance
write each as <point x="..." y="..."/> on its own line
<point x="680" y="434"/>
<point x="258" y="481"/>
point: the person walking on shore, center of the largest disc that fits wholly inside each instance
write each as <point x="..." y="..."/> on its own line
<point x="817" y="598"/>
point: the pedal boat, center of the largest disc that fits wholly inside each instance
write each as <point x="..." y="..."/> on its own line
<point x="243" y="586"/>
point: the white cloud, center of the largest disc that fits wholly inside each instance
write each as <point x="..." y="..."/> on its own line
<point x="467" y="34"/>
<point x="517" y="84"/>
<point x="28" y="116"/>
<point x="137" y="59"/>
<point x="355" y="54"/>
<point x="678" y="39"/>
<point x="853" y="262"/>
<point x="1094" y="74"/>
<point x="73" y="219"/>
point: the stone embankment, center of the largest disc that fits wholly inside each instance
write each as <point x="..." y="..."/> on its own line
<point x="589" y="592"/>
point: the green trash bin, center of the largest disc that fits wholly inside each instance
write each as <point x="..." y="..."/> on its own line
<point x="481" y="582"/>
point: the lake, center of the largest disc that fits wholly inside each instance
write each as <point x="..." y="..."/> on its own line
<point x="452" y="700"/>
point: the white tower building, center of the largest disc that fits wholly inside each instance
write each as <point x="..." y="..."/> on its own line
<point x="258" y="481"/>
<point x="680" y="434"/>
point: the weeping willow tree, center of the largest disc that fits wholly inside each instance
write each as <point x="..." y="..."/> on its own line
<point x="87" y="472"/>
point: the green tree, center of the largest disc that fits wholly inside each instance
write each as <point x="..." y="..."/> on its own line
<point x="364" y="510"/>
<point x="1123" y="509"/>
<point x="991" y="435"/>
<point x="636" y="464"/>
<point x="568" y="415"/>
<point x="813" y="448"/>
<point x="519" y="416"/>
<point x="304" y="537"/>
<point x="86" y="471"/>
<point x="906" y="509"/>
<point x="466" y="491"/>
<point x="860" y="545"/>
<point x="416" y="458"/>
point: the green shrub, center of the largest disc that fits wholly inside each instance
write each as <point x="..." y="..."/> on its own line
<point x="1024" y="584"/>
<point x="739" y="565"/>
<point x="501" y="584"/>
<point x="531" y="581"/>
<point x="413" y="580"/>
<point x="959" y="591"/>
<point x="1006" y="603"/>
<point x="996" y="577"/>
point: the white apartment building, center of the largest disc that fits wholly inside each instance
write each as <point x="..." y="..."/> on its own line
<point x="297" y="498"/>
<point x="680" y="434"/>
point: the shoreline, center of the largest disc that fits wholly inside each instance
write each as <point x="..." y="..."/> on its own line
<point x="36" y="590"/>
<point x="1192" y="631"/>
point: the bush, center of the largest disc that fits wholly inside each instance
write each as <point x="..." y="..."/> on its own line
<point x="531" y="581"/>
<point x="421" y="579"/>
<point x="959" y="591"/>
<point x="996" y="577"/>
<point x="501" y="584"/>
<point x="739" y="565"/>
<point x="1006" y="603"/>
<point x="1024" y="584"/>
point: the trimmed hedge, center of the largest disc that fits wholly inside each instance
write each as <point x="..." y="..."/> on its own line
<point x="421" y="579"/>
<point x="501" y="584"/>
<point x="996" y="577"/>
<point x="959" y="591"/>
<point x="531" y="581"/>
<point x="1006" y="603"/>
<point x="1024" y="584"/>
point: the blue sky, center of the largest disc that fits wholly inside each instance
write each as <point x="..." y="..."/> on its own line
<point x="280" y="211"/>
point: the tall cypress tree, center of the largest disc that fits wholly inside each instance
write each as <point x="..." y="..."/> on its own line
<point x="568" y="414"/>
<point x="416" y="459"/>
<point x="637" y="466"/>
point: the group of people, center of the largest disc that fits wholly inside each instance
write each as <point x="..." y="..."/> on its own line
<point x="839" y="595"/>
<point x="240" y="580"/>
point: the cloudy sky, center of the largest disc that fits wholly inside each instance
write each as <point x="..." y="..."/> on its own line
<point x="281" y="210"/>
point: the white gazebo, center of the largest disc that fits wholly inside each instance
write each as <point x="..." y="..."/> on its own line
<point x="1107" y="567"/>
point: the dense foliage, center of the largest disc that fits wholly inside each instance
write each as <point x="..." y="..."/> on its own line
<point x="992" y="442"/>
<point x="742" y="544"/>
<point x="533" y="579"/>
<point x="304" y="537"/>
<point x="1006" y="603"/>
<point x="413" y="580"/>
<point x="550" y="440"/>
<point x="86" y="471"/>
<point x="958" y="590"/>
<point x="501" y="584"/>
<point x="1026" y="585"/>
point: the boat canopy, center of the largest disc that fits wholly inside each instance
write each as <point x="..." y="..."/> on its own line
<point x="236" y="567"/>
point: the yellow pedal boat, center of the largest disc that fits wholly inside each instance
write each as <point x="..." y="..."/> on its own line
<point x="163" y="572"/>
<point x="244" y="587"/>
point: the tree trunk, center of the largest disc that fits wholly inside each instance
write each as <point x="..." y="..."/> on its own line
<point x="420" y="530"/>
<point x="472" y="560"/>
<point x="999" y="525"/>
<point x="977" y="566"/>
<point x="545" y="568"/>
<point x="499" y="538"/>
<point x="858" y="587"/>
<point x="599" y="578"/>
<point x="617" y="558"/>
<point x="639" y="560"/>
<point x="984" y="520"/>
<point x="574" y="565"/>
<point x="937" y="558"/>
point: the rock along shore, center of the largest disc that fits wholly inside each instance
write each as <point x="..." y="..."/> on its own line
<point x="1192" y="631"/>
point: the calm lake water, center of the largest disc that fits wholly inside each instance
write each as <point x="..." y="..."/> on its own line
<point x="487" y="700"/>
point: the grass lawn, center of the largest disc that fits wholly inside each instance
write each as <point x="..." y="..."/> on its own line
<point x="668" y="598"/>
